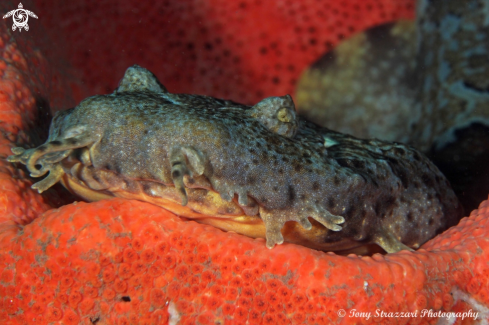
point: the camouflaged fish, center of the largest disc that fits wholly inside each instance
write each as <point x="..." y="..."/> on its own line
<point x="260" y="171"/>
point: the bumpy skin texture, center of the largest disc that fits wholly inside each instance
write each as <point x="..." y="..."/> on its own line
<point x="274" y="166"/>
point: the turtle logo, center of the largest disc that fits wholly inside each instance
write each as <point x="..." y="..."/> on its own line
<point x="20" y="17"/>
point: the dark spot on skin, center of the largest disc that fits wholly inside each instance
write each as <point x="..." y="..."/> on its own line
<point x="351" y="210"/>
<point x="71" y="141"/>
<point x="255" y="161"/>
<point x="147" y="188"/>
<point x="94" y="320"/>
<point x="331" y="202"/>
<point x="275" y="188"/>
<point x="336" y="180"/>
<point x="343" y="162"/>
<point x="428" y="180"/>
<point x="175" y="174"/>
<point x="55" y="143"/>
<point x="146" y="131"/>
<point x="389" y="202"/>
<point x="297" y="167"/>
<point x="285" y="159"/>
<point x="431" y="221"/>
<point x="108" y="166"/>
<point x="377" y="208"/>
<point x="410" y="217"/>
<point x="291" y="193"/>
<point x="126" y="298"/>
<point x="42" y="148"/>
<point x="315" y="186"/>
<point x="274" y="141"/>
<point x="358" y="164"/>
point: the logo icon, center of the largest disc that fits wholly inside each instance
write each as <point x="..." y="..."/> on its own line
<point x="20" y="17"/>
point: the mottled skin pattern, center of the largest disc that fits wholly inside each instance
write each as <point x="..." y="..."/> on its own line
<point x="423" y="83"/>
<point x="452" y="69"/>
<point x="246" y="169"/>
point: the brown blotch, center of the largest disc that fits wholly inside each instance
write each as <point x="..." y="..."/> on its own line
<point x="428" y="180"/>
<point x="410" y="217"/>
<point x="377" y="208"/>
<point x="315" y="186"/>
<point x="291" y="193"/>
<point x="147" y="189"/>
<point x="336" y="180"/>
<point x="297" y="167"/>
<point x="70" y="141"/>
<point x="331" y="202"/>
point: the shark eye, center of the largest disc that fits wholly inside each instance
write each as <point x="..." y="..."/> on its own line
<point x="284" y="115"/>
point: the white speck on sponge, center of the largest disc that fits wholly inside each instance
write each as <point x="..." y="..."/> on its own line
<point x="174" y="314"/>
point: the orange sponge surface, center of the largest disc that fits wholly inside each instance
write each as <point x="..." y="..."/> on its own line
<point x="122" y="261"/>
